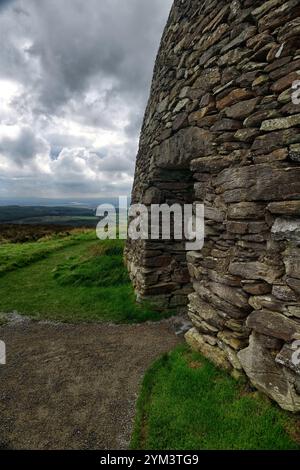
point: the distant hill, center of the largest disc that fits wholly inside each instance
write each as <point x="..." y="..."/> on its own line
<point x="37" y="215"/>
<point x="87" y="203"/>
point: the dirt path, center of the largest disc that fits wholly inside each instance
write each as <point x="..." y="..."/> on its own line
<point x="75" y="386"/>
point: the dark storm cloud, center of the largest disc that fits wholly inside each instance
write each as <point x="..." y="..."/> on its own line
<point x="4" y="3"/>
<point x="82" y="45"/>
<point x="23" y="148"/>
<point x="83" y="70"/>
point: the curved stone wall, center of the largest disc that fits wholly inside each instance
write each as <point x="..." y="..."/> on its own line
<point x="222" y="128"/>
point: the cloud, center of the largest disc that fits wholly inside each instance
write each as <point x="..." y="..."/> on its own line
<point x="23" y="148"/>
<point x="4" y="3"/>
<point x="80" y="76"/>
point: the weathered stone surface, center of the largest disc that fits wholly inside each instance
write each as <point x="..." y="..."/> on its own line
<point x="255" y="119"/>
<point x="161" y="289"/>
<point x="294" y="310"/>
<point x="294" y="153"/>
<point x="163" y="105"/>
<point x="208" y="79"/>
<point x="222" y="278"/>
<point x="246" y="135"/>
<point x="196" y="117"/>
<point x="286" y="229"/>
<point x="231" y="355"/>
<point x="287" y="357"/>
<point x="157" y="262"/>
<point x="286" y="82"/>
<point x="237" y="326"/>
<point x="233" y="57"/>
<point x="256" y="270"/>
<point x="275" y="140"/>
<point x="259" y="81"/>
<point x="213" y="164"/>
<point x="267" y="376"/>
<point x="242" y="109"/>
<point x="268" y="302"/>
<point x="177" y="151"/>
<point x="287" y="208"/>
<point x="214" y="354"/>
<point x="266" y="7"/>
<point x="212" y="340"/>
<point x="292" y="28"/>
<point x="259" y="40"/>
<point x="278" y="16"/>
<point x="292" y="261"/>
<point x="234" y="97"/>
<point x="274" y="324"/>
<point x="241" y="38"/>
<point x="210" y="39"/>
<point x="206" y="311"/>
<point x="284" y="293"/>
<point x="281" y="123"/>
<point x="214" y="214"/>
<point x="232" y="295"/>
<point x="227" y="338"/>
<point x="152" y="196"/>
<point x="275" y="156"/>
<point x="258" y="183"/>
<point x="285" y="69"/>
<point x="202" y="326"/>
<point x="243" y="228"/>
<point x="180" y="122"/>
<point x="225" y="125"/>
<point x="220" y="304"/>
<point x="257" y="288"/>
<point x="246" y="210"/>
<point x="181" y="105"/>
<point x="294" y="284"/>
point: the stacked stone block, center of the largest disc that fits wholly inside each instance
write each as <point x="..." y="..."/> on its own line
<point x="221" y="129"/>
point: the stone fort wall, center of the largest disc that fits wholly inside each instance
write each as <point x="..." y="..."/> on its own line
<point x="221" y="128"/>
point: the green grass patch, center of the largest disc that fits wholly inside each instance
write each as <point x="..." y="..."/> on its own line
<point x="102" y="267"/>
<point x="186" y="403"/>
<point x="18" y="255"/>
<point x="75" y="279"/>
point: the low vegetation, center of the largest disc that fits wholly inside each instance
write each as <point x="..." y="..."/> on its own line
<point x="14" y="233"/>
<point x="101" y="267"/>
<point x="17" y="255"/>
<point x="71" y="278"/>
<point x="188" y="404"/>
<point x="9" y="214"/>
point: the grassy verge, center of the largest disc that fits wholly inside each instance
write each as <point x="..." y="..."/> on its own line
<point x="75" y="279"/>
<point x="188" y="404"/>
<point x="18" y="255"/>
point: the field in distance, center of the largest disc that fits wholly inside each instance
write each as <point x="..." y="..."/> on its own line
<point x="43" y="215"/>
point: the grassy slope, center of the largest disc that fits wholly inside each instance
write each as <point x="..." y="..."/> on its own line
<point x="17" y="255"/>
<point x="188" y="404"/>
<point x="77" y="278"/>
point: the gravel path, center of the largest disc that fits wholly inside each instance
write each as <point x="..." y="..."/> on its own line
<point x="75" y="386"/>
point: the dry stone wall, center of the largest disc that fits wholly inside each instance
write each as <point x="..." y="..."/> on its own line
<point x="221" y="128"/>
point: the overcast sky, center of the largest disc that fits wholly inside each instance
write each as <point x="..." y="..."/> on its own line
<point x="74" y="81"/>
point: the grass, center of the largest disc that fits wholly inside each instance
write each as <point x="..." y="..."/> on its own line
<point x="186" y="403"/>
<point x="73" y="279"/>
<point x="102" y="267"/>
<point x="17" y="255"/>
